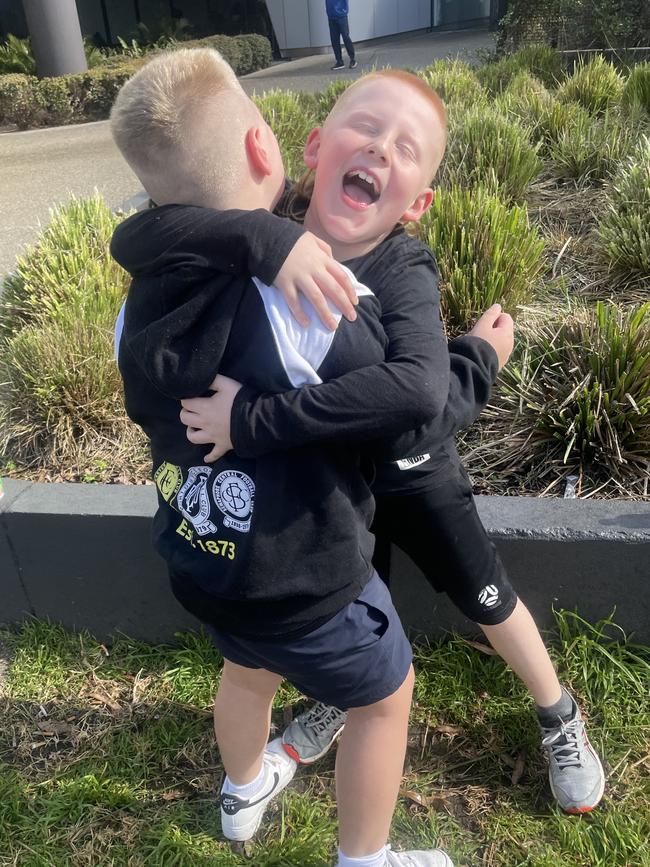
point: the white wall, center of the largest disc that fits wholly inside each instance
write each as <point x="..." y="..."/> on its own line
<point x="300" y="24"/>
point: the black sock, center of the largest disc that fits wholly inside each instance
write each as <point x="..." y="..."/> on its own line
<point x="564" y="708"/>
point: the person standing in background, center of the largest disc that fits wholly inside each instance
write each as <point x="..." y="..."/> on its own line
<point x="337" y="14"/>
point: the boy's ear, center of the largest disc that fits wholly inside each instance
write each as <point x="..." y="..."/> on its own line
<point x="312" y="146"/>
<point x="257" y="151"/>
<point x="419" y="206"/>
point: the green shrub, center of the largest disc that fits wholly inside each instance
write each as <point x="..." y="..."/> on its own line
<point x="455" y="82"/>
<point x="325" y="99"/>
<point x="588" y="150"/>
<point x="624" y="229"/>
<point x="636" y="93"/>
<point x="486" y="147"/>
<point x="20" y="100"/>
<point x="16" y="56"/>
<point x="540" y="61"/>
<point x="580" y="389"/>
<point x="225" y="45"/>
<point x="261" y="48"/>
<point x="543" y="62"/>
<point x="486" y="251"/>
<point x="595" y="84"/>
<point x="246" y="62"/>
<point x="495" y="77"/>
<point x="286" y="114"/>
<point x="60" y="105"/>
<point x="61" y="392"/>
<point x="98" y="88"/>
<point x="540" y="112"/>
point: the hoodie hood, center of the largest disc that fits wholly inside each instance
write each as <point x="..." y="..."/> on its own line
<point x="161" y="239"/>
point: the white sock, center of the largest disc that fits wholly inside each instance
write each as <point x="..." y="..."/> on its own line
<point x="247" y="790"/>
<point x="376" y="860"/>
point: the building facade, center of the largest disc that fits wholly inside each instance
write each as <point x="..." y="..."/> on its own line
<point x="294" y="26"/>
<point x="300" y="26"/>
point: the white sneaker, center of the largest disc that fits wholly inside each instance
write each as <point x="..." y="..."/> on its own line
<point x="241" y="817"/>
<point x="418" y="858"/>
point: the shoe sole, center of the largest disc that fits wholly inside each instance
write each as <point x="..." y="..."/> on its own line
<point x="292" y="753"/>
<point x="577" y="811"/>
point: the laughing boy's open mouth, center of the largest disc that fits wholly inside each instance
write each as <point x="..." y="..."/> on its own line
<point x="361" y="187"/>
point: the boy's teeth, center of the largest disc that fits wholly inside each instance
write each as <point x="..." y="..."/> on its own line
<point x="364" y="177"/>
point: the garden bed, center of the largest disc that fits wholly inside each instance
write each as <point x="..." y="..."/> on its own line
<point x="543" y="205"/>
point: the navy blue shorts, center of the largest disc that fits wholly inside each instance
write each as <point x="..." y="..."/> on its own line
<point x="358" y="657"/>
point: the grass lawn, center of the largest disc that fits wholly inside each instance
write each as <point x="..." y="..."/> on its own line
<point x="107" y="758"/>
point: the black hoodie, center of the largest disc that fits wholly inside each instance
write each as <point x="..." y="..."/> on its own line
<point x="266" y="547"/>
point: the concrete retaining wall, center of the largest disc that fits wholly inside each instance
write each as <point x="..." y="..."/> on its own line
<point x="81" y="555"/>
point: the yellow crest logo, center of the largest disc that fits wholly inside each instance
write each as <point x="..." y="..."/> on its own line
<point x="168" y="480"/>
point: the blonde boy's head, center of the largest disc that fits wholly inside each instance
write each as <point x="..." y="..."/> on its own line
<point x="180" y="123"/>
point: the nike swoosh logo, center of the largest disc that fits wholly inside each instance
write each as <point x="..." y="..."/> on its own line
<point x="232" y="804"/>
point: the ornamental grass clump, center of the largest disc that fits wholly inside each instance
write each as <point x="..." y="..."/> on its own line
<point x="291" y="119"/>
<point x="486" y="147"/>
<point x="596" y="85"/>
<point x="578" y="395"/>
<point x="636" y="93"/>
<point x="455" y="82"/>
<point x="61" y="394"/>
<point x="487" y="251"/>
<point x="589" y="150"/>
<point x="543" y="62"/>
<point x="624" y="229"/>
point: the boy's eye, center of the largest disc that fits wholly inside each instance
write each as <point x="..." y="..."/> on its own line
<point x="407" y="150"/>
<point x="367" y="127"/>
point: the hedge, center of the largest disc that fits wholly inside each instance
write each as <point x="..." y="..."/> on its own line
<point x="27" y="101"/>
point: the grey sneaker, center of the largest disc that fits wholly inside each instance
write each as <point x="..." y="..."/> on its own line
<point x="313" y="732"/>
<point x="418" y="858"/>
<point x="574" y="770"/>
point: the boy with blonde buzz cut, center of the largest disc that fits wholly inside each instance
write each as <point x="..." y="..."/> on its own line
<point x="244" y="539"/>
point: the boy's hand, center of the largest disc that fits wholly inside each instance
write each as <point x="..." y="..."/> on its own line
<point x="498" y="329"/>
<point x="208" y="418"/>
<point x="310" y="269"/>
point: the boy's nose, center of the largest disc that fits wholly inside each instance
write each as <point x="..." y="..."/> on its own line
<point x="378" y="149"/>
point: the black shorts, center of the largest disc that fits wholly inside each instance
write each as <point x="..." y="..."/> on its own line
<point x="440" y="530"/>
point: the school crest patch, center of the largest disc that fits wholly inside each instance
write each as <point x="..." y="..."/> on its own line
<point x="168" y="479"/>
<point x="234" y="494"/>
<point x="194" y="502"/>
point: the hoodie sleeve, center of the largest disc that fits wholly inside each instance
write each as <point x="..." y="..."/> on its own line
<point x="402" y="398"/>
<point x="390" y="398"/>
<point x="473" y="369"/>
<point x="204" y="241"/>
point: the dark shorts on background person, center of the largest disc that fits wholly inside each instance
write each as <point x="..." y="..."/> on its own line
<point x="440" y="530"/>
<point x="358" y="657"/>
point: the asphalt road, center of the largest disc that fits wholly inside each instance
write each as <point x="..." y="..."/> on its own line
<point x="42" y="168"/>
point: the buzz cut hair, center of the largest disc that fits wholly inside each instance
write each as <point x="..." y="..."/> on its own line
<point x="180" y="123"/>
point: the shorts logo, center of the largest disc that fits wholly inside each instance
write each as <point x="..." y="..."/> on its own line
<point x="234" y="494"/>
<point x="489" y="596"/>
<point x="410" y="463"/>
<point x="193" y="500"/>
<point x="168" y="480"/>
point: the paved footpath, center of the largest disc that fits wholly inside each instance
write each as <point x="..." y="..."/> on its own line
<point x="41" y="168"/>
